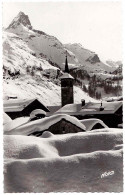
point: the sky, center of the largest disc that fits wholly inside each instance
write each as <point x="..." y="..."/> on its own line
<point x="96" y="25"/>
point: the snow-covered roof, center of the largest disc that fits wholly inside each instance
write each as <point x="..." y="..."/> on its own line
<point x="90" y="108"/>
<point x="89" y="123"/>
<point x="111" y="99"/>
<point x="44" y="124"/>
<point x="17" y="104"/>
<point x="71" y="108"/>
<point x="66" y="76"/>
<point x="35" y="112"/>
<point x="53" y="109"/>
<point x="15" y="123"/>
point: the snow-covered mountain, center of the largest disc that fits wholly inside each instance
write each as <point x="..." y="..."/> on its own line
<point x="51" y="49"/>
<point x="33" y="61"/>
<point x="21" y="18"/>
<point x="42" y="45"/>
<point x="26" y="50"/>
<point x="17" y="57"/>
<point x="88" y="60"/>
<point x="114" y="64"/>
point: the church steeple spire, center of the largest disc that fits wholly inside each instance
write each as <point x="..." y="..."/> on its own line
<point x="66" y="64"/>
<point x="66" y="86"/>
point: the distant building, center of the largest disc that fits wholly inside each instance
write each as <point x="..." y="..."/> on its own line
<point x="22" y="107"/>
<point x="66" y="86"/>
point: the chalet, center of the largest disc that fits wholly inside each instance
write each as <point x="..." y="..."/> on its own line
<point x="109" y="112"/>
<point x="15" y="108"/>
<point x="60" y="124"/>
<point x="56" y="124"/>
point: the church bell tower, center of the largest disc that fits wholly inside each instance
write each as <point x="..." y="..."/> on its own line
<point x="67" y="86"/>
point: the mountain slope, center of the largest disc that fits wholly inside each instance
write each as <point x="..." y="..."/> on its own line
<point x="88" y="60"/>
<point x="41" y="88"/>
<point x="43" y="45"/>
<point x="17" y="57"/>
<point x="34" y="60"/>
<point x="50" y="48"/>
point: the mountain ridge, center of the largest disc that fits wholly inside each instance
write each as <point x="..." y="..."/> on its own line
<point x="55" y="51"/>
<point x="21" y="18"/>
<point x="30" y="51"/>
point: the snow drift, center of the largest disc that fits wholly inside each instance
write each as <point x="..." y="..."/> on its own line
<point x="63" y="163"/>
<point x="6" y="119"/>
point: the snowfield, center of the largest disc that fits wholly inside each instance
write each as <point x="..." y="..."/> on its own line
<point x="64" y="163"/>
<point x="43" y="89"/>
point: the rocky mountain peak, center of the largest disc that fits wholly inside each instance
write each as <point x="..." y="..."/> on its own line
<point x="93" y="59"/>
<point x="21" y="18"/>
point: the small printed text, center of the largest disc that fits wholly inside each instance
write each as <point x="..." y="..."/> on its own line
<point x="106" y="174"/>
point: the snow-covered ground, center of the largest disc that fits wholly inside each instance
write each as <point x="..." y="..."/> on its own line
<point x="64" y="163"/>
<point x="41" y="88"/>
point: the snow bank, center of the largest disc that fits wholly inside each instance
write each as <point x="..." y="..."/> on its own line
<point x="63" y="163"/>
<point x="12" y="124"/>
<point x="6" y="119"/>
<point x="41" y="125"/>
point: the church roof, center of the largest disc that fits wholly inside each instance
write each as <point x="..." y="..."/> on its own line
<point x="66" y="76"/>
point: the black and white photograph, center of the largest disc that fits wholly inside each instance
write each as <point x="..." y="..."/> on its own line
<point x="62" y="94"/>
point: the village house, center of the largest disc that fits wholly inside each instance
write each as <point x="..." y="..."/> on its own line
<point x="56" y="124"/>
<point x="60" y="124"/>
<point x="109" y="112"/>
<point x="15" y="108"/>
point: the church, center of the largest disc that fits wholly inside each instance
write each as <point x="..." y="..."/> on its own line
<point x="67" y="86"/>
<point x="110" y="112"/>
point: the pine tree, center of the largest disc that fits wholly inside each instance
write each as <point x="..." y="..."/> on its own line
<point x="27" y="69"/>
<point x="32" y="72"/>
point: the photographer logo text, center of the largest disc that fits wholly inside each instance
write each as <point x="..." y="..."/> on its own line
<point x="106" y="174"/>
